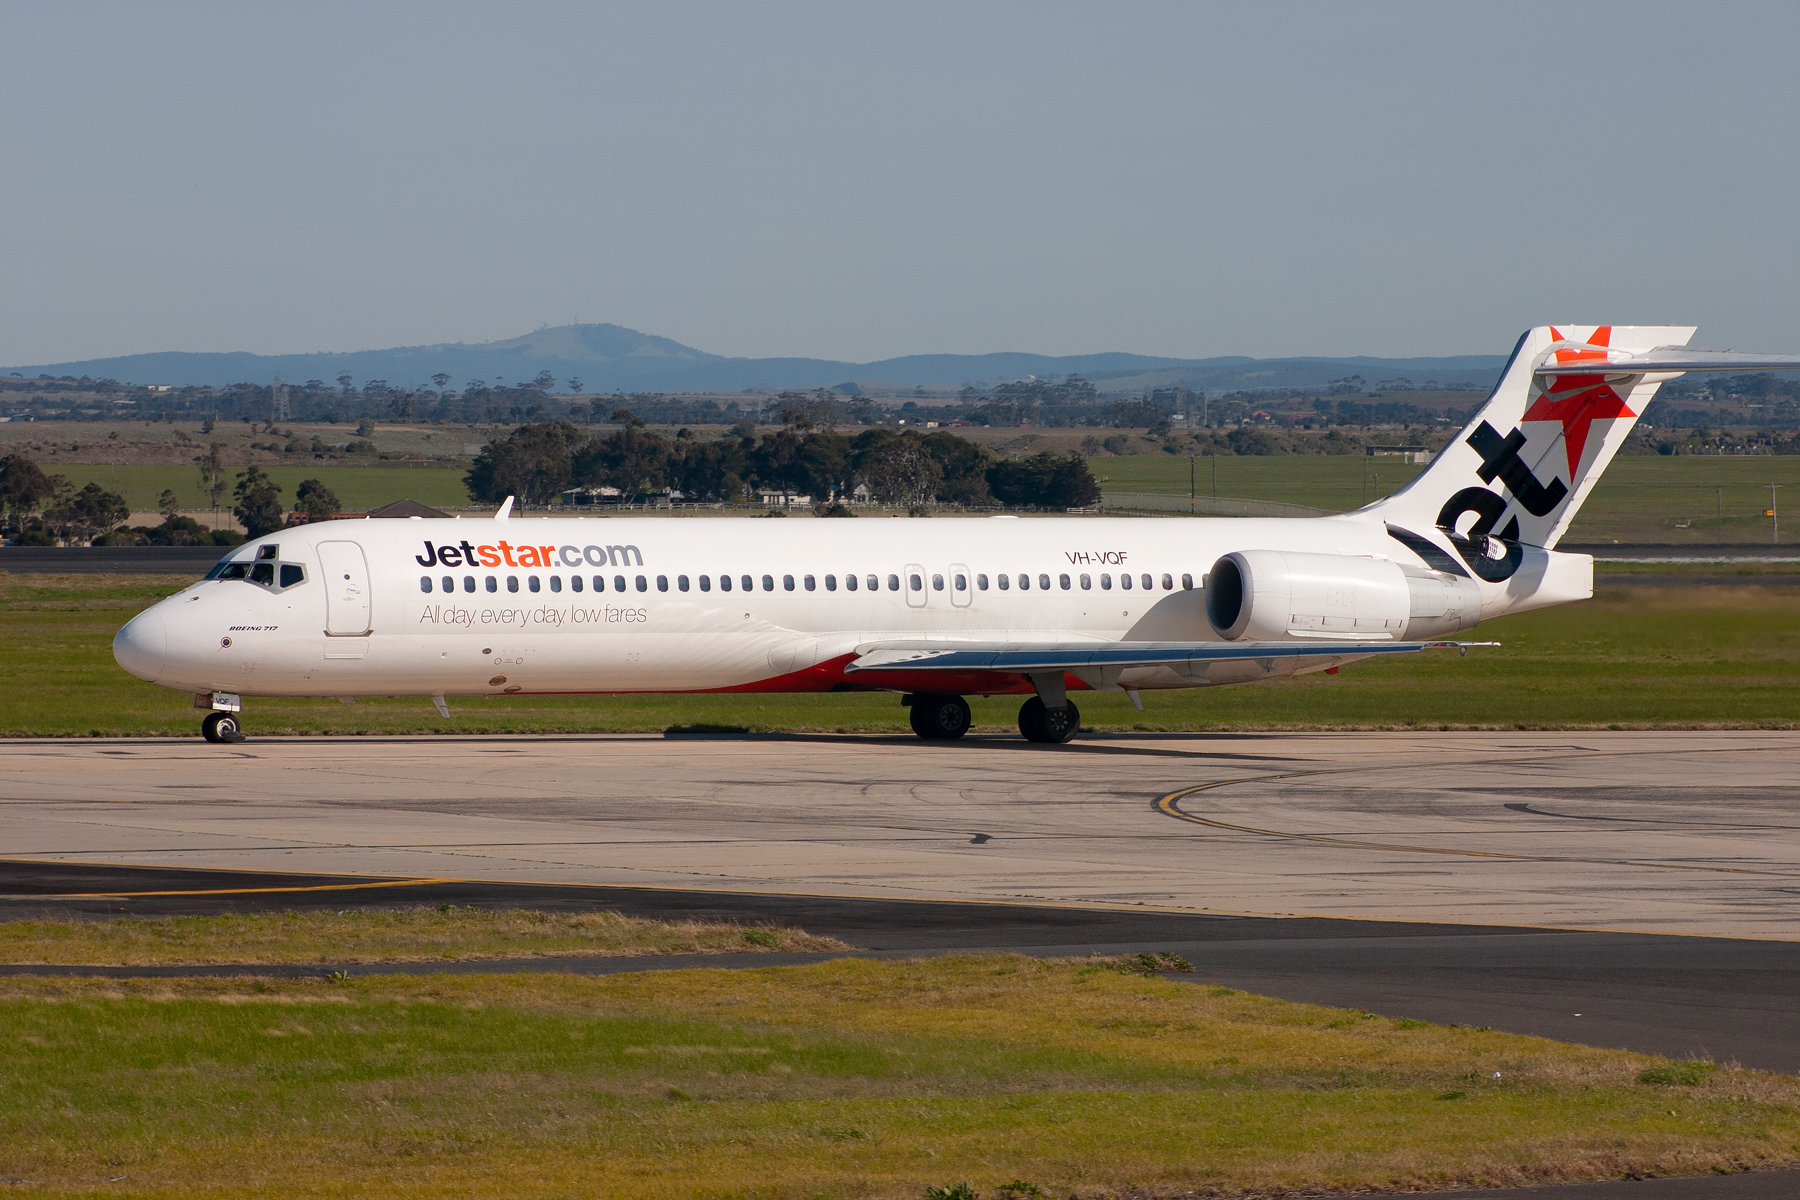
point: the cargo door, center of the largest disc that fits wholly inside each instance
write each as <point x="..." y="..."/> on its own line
<point x="346" y="574"/>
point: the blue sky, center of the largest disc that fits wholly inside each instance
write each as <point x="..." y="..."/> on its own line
<point x="856" y="180"/>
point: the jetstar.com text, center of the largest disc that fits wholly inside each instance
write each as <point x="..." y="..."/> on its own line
<point x="545" y="617"/>
<point x="462" y="554"/>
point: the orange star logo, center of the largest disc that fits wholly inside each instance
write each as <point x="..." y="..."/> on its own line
<point x="1577" y="401"/>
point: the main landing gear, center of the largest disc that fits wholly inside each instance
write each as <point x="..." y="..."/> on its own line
<point x="221" y="727"/>
<point x="943" y="718"/>
<point x="1041" y="723"/>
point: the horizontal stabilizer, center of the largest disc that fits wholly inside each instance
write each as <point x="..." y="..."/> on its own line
<point x="1661" y="359"/>
<point x="1078" y="656"/>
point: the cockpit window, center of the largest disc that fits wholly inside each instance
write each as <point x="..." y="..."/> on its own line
<point x="276" y="576"/>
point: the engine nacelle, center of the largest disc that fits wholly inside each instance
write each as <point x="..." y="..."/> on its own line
<point x="1274" y="595"/>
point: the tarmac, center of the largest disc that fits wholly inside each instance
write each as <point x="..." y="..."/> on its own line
<point x="1625" y="889"/>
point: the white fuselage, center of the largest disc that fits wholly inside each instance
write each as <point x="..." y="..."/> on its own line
<point x="641" y="604"/>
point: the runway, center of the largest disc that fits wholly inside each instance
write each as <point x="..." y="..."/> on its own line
<point x="1671" y="832"/>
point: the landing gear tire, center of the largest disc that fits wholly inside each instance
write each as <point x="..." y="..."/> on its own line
<point x="941" y="718"/>
<point x="221" y="727"/>
<point x="1040" y="723"/>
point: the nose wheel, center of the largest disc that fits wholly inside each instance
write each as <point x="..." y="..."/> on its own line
<point x="221" y="727"/>
<point x="1041" y="723"/>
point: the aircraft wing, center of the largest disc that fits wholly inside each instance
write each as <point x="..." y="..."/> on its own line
<point x="1079" y="657"/>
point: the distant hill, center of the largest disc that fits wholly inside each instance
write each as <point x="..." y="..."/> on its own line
<point x="610" y="358"/>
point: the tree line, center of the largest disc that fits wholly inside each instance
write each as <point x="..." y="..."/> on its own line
<point x="48" y="510"/>
<point x="905" y="468"/>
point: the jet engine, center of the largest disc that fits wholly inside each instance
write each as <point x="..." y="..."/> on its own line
<point x="1274" y="595"/>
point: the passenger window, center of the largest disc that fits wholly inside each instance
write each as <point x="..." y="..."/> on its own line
<point x="874" y="582"/>
<point x="599" y="583"/>
<point x="746" y="583"/>
<point x="706" y="583"/>
<point x="768" y="583"/>
<point x="681" y="581"/>
<point x="468" y="583"/>
<point x="1024" y="583"/>
<point x="894" y="582"/>
<point x="812" y="585"/>
<point x="1168" y="583"/>
<point x="492" y="584"/>
<point x="291" y="575"/>
<point x="643" y="585"/>
<point x="937" y="583"/>
<point x="1005" y="582"/>
<point x="1125" y="582"/>
<point x="850" y="582"/>
<point x="512" y="583"/>
<point x="981" y="583"/>
<point x="424" y="583"/>
<point x="1106" y="583"/>
<point x="787" y="583"/>
<point x="918" y="585"/>
<point x="532" y="582"/>
<point x="1087" y="582"/>
<point x="575" y="583"/>
<point x="724" y="583"/>
<point x="1062" y="579"/>
<point x="264" y="573"/>
<point x="618" y="583"/>
<point x="1044" y="582"/>
<point x="449" y="581"/>
<point x="1147" y="582"/>
<point x="662" y="583"/>
<point x="1187" y="583"/>
<point x="831" y="582"/>
<point x="556" y="583"/>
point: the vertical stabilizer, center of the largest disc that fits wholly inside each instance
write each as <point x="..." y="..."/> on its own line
<point x="1517" y="473"/>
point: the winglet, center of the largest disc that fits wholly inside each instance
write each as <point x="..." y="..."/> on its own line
<point x="505" y="510"/>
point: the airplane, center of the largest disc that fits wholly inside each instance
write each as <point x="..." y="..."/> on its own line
<point x="934" y="611"/>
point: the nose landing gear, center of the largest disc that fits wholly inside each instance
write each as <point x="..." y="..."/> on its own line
<point x="221" y="727"/>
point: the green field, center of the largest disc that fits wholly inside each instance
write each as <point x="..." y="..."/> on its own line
<point x="1640" y="498"/>
<point x="854" y="1079"/>
<point x="1630" y="658"/>
<point x="357" y="488"/>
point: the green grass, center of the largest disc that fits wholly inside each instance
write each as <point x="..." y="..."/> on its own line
<point x="1640" y="498"/>
<point x="851" y="1079"/>
<point x="442" y="933"/>
<point x="357" y="488"/>
<point x="1632" y="657"/>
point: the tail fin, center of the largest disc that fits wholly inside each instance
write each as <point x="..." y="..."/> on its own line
<point x="1520" y="469"/>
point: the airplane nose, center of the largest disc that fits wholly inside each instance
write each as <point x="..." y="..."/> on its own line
<point x="142" y="645"/>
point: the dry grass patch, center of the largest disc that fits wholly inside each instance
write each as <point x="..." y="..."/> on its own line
<point x="374" y="936"/>
<point x="846" y="1079"/>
